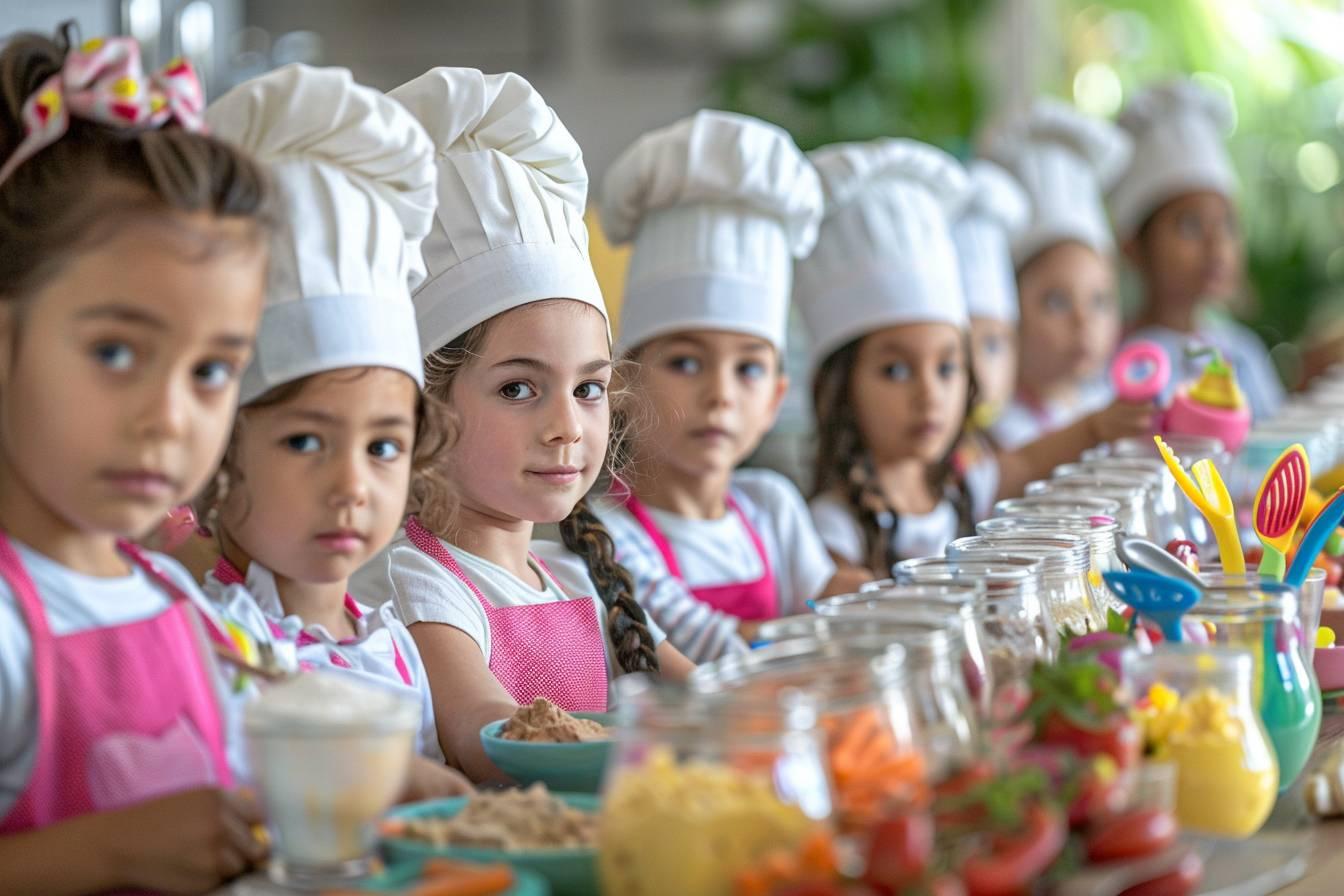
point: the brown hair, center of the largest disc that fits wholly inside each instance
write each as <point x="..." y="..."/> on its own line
<point x="73" y="193"/>
<point x="430" y="437"/>
<point x="582" y="531"/>
<point x="845" y="466"/>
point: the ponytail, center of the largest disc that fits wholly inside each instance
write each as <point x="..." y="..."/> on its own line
<point x="627" y="624"/>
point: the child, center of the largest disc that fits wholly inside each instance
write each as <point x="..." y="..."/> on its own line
<point x="882" y="298"/>
<point x="1175" y="216"/>
<point x="518" y="349"/>
<point x="316" y="475"/>
<point x="996" y="211"/>
<point x="1070" y="315"/>
<point x="132" y="274"/>
<point x="718" y="206"/>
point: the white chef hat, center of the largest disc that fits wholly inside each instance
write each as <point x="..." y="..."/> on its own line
<point x="718" y="206"/>
<point x="509" y="227"/>
<point x="1066" y="161"/>
<point x="884" y="255"/>
<point x="357" y="182"/>
<point x="997" y="210"/>
<point x="1178" y="128"/>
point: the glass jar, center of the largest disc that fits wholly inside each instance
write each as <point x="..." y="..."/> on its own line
<point x="744" y="774"/>
<point x="1016" y="629"/>
<point x="1135" y="516"/>
<point x="896" y="602"/>
<point x="941" y="706"/>
<point x="1198" y="713"/>
<point x="1058" y="505"/>
<point x="1164" y="496"/>
<point x="1066" y="570"/>
<point x="1102" y="534"/>
<point x="1261" y="618"/>
<point x="872" y="739"/>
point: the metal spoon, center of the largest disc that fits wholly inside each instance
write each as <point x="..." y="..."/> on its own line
<point x="1144" y="554"/>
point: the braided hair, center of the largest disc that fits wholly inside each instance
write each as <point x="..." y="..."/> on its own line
<point x="581" y="531"/>
<point x="844" y="464"/>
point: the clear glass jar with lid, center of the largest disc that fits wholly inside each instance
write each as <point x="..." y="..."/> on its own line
<point x="747" y="775"/>
<point x="1243" y="612"/>
<point x="1198" y="713"/>
<point x="1164" y="496"/>
<point x="1136" y="516"/>
<point x="1101" y="533"/>
<point x="1066" y="570"/>
<point x="1017" y="631"/>
<point x="894" y="601"/>
<point x="873" y="741"/>
<point x="1058" y="505"/>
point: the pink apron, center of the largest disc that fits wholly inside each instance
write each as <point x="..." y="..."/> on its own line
<point x="554" y="650"/>
<point x="228" y="574"/>
<point x="751" y="601"/>
<point x="125" y="713"/>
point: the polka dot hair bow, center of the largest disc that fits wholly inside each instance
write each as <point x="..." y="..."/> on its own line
<point x="102" y="81"/>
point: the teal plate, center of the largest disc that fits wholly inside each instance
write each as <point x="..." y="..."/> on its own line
<point x="570" y="872"/>
<point x="403" y="876"/>
<point x="564" y="768"/>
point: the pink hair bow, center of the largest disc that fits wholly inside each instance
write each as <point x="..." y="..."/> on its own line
<point x="103" y="81"/>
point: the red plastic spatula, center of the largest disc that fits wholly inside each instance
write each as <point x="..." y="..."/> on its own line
<point x="1278" y="508"/>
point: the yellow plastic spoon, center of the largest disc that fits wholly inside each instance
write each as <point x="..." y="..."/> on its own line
<point x="1210" y="498"/>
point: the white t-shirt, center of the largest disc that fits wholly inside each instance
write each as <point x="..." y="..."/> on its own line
<point x="380" y="637"/>
<point x="721" y="552"/>
<point x="1021" y="423"/>
<point x="917" y="535"/>
<point x="1239" y="346"/>
<point x="73" y="603"/>
<point x="422" y="590"/>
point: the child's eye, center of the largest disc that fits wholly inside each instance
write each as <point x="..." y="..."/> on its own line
<point x="517" y="391"/>
<point x="215" y="374"/>
<point x="992" y="345"/>
<point x="1102" y="301"/>
<point x="948" y="369"/>
<point x="590" y="391"/>
<point x="900" y="372"/>
<point x="385" y="449"/>
<point x="116" y="356"/>
<point x="1188" y="226"/>
<point x="303" y="443"/>
<point x="751" y="370"/>
<point x="1057" y="303"/>
<point x="684" y="365"/>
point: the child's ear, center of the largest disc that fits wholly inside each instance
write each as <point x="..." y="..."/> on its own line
<point x="1132" y="249"/>
<point x="777" y="400"/>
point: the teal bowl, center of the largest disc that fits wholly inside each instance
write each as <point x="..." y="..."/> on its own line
<point x="564" y="768"/>
<point x="570" y="872"/>
<point x="403" y="876"/>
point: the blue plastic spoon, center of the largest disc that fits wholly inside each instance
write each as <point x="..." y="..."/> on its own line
<point x="1325" y="524"/>
<point x="1162" y="599"/>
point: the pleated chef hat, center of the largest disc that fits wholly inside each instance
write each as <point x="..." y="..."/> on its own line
<point x="718" y="206"/>
<point x="1066" y="161"/>
<point x="997" y="210"/>
<point x="509" y="227"/>
<point x="1178" y="128"/>
<point x="357" y="182"/>
<point x="884" y="255"/>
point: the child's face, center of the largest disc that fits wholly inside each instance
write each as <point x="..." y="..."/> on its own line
<point x="120" y="376"/>
<point x="324" y="474"/>
<point x="533" y="413"/>
<point x="711" y="396"/>
<point x="994" y="358"/>
<point x="1190" y="251"/>
<point x="908" y="389"/>
<point x="1070" y="316"/>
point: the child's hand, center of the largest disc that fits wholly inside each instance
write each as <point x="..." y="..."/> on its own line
<point x="189" y="842"/>
<point x="430" y="780"/>
<point x="1123" y="419"/>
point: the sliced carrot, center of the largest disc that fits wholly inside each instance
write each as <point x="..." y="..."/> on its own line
<point x="479" y="880"/>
